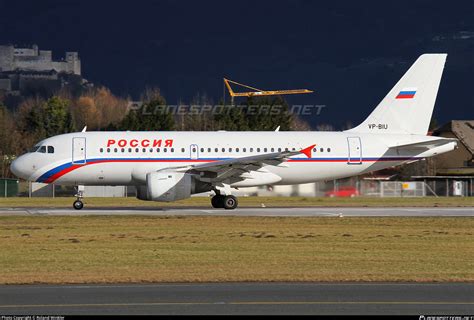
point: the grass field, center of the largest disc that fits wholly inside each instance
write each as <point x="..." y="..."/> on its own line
<point x="105" y="249"/>
<point x="248" y="202"/>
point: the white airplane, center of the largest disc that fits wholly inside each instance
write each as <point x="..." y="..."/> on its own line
<point x="169" y="166"/>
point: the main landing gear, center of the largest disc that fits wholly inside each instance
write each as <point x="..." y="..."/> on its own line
<point x="227" y="202"/>
<point x="78" y="204"/>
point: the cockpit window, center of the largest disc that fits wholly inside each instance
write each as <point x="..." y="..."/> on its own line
<point x="42" y="149"/>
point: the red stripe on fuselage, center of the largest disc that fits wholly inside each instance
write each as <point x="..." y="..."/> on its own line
<point x="61" y="173"/>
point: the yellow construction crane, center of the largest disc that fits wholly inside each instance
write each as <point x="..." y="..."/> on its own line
<point x="258" y="92"/>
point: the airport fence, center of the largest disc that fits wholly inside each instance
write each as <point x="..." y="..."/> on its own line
<point x="8" y="187"/>
<point x="351" y="187"/>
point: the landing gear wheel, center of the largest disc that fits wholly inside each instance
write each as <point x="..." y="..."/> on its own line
<point x="230" y="202"/>
<point x="217" y="201"/>
<point x="78" y="204"/>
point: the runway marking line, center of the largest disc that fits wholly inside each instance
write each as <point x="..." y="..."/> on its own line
<point x="141" y="304"/>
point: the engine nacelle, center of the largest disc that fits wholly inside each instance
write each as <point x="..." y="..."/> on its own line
<point x="167" y="186"/>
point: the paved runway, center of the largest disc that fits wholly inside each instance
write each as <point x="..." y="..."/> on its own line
<point x="240" y="298"/>
<point x="264" y="212"/>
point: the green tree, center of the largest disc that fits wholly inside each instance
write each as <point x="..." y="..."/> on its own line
<point x="270" y="113"/>
<point x="9" y="141"/>
<point x="153" y="115"/>
<point x="57" y="119"/>
<point x="39" y="119"/>
<point x="256" y="114"/>
<point x="33" y="122"/>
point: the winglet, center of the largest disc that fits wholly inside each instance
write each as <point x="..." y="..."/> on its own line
<point x="307" y="151"/>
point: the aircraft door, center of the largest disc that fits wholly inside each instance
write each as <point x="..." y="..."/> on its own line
<point x="78" y="150"/>
<point x="194" y="151"/>
<point x="355" y="150"/>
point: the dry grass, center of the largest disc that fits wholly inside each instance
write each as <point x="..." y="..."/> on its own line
<point x="104" y="249"/>
<point x="248" y="202"/>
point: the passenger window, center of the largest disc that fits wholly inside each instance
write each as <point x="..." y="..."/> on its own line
<point x="136" y="150"/>
<point x="182" y="150"/>
<point x="258" y="149"/>
<point x="108" y="149"/>
<point x="223" y="149"/>
<point x="216" y="150"/>
<point x="265" y="149"/>
<point x="165" y="150"/>
<point x="322" y="150"/>
<point x="208" y="149"/>
<point x="101" y="150"/>
<point x="50" y="149"/>
<point x="202" y="149"/>
<point x="151" y="149"/>
<point x="236" y="149"/>
<point x="273" y="149"/>
<point x="251" y="149"/>
<point x="115" y="150"/>
<point x="129" y="149"/>
<point x="314" y="149"/>
<point x="172" y="149"/>
<point x="329" y="149"/>
<point x="157" y="149"/>
<point x="123" y="150"/>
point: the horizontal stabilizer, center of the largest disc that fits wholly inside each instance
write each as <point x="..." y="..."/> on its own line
<point x="426" y="144"/>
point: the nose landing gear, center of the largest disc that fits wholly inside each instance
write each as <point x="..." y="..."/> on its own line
<point x="78" y="204"/>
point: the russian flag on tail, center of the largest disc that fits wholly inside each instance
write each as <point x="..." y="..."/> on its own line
<point x="406" y="93"/>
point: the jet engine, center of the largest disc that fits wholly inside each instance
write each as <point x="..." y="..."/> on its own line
<point x="167" y="186"/>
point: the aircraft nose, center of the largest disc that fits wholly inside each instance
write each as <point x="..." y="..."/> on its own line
<point x="20" y="168"/>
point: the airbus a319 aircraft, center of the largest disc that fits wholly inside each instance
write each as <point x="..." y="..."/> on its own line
<point x="169" y="166"/>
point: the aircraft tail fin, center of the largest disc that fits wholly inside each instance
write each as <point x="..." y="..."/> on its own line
<point x="408" y="107"/>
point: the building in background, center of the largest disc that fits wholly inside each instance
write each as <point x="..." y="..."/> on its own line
<point x="454" y="171"/>
<point x="29" y="71"/>
<point x="33" y="59"/>
<point x="459" y="162"/>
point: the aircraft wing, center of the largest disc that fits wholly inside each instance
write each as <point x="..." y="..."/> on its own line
<point x="232" y="169"/>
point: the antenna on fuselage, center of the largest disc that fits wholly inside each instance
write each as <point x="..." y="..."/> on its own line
<point x="85" y="129"/>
